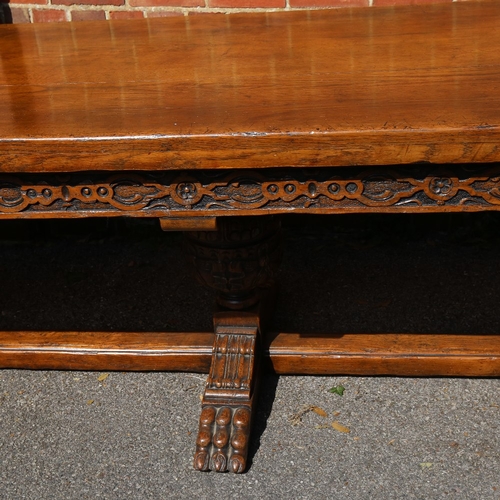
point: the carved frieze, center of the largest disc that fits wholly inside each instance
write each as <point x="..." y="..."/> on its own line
<point x="327" y="190"/>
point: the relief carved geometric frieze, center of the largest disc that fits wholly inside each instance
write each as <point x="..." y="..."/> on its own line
<point x="327" y="190"/>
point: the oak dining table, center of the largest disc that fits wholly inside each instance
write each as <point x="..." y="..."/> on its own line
<point x="217" y="125"/>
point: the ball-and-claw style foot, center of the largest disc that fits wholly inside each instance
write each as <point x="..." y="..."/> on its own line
<point x="223" y="437"/>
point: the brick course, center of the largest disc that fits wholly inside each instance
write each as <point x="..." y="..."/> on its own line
<point x="163" y="13"/>
<point x="20" y="15"/>
<point x="25" y="11"/>
<point x="247" y="4"/>
<point x="126" y="14"/>
<point x="383" y="3"/>
<point x="88" y="15"/>
<point x="329" y="3"/>
<point x="49" y="16"/>
<point x="167" y="3"/>
<point x="22" y="2"/>
<point x="85" y="3"/>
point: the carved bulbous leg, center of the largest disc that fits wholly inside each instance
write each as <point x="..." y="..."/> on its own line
<point x="238" y="261"/>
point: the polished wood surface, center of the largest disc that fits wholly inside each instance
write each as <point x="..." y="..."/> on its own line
<point x="407" y="355"/>
<point x="190" y="352"/>
<point x="284" y="353"/>
<point x="340" y="87"/>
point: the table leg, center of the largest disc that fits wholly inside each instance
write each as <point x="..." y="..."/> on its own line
<point x="238" y="261"/>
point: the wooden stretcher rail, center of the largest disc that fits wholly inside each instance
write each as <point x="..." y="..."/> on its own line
<point x="285" y="353"/>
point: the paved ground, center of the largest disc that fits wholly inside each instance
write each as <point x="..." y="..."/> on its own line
<point x="74" y="435"/>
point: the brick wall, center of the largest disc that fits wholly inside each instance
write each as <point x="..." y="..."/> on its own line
<point x="26" y="11"/>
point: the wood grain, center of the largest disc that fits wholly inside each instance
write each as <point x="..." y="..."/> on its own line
<point x="106" y="351"/>
<point x="285" y="353"/>
<point x="323" y="88"/>
<point x="407" y="355"/>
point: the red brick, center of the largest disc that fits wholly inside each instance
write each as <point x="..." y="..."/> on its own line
<point x="88" y="15"/>
<point x="48" y="16"/>
<point x="20" y="15"/>
<point x="88" y="2"/>
<point x="126" y="14"/>
<point x="205" y="12"/>
<point x="167" y="3"/>
<point x="382" y="3"/>
<point x="164" y="13"/>
<point x="37" y="2"/>
<point x="329" y="3"/>
<point x="245" y="4"/>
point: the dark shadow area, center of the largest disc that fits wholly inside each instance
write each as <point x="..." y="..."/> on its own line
<point x="5" y="14"/>
<point x="267" y="395"/>
<point x="107" y="274"/>
<point x="390" y="273"/>
<point x="400" y="274"/>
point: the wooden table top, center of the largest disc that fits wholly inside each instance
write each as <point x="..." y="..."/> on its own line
<point x="304" y="88"/>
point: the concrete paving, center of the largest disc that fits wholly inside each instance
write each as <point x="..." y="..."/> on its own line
<point x="78" y="435"/>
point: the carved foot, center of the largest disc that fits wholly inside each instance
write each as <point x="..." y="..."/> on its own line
<point x="226" y="415"/>
<point x="223" y="438"/>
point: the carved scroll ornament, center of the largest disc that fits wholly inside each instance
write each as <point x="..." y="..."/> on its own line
<point x="327" y="190"/>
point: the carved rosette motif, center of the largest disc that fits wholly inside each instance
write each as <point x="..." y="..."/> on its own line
<point x="250" y="192"/>
<point x="242" y="256"/>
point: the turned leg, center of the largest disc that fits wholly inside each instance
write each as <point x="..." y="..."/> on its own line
<point x="239" y="261"/>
